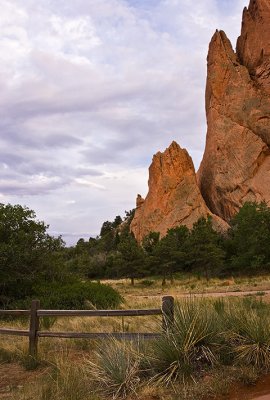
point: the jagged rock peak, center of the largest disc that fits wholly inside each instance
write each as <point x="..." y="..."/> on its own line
<point x="174" y="197"/>
<point x="253" y="45"/>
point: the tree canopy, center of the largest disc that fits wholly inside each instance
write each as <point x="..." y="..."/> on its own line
<point x="27" y="252"/>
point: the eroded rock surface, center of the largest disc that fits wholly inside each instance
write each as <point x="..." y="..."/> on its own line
<point x="236" y="163"/>
<point x="174" y="197"/>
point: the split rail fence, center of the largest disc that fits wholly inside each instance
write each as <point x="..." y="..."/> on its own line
<point x="35" y="313"/>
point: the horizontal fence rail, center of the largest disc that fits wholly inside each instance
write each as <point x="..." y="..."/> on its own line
<point x="98" y="313"/>
<point x="35" y="313"/>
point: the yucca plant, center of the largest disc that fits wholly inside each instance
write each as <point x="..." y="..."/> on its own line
<point x="189" y="345"/>
<point x="249" y="336"/>
<point x="115" y="369"/>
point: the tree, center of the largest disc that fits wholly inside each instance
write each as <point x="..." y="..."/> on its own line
<point x="171" y="251"/>
<point x="150" y="241"/>
<point x="249" y="237"/>
<point x="132" y="257"/>
<point x="27" y="252"/>
<point x="204" y="247"/>
<point x="107" y="227"/>
<point x="117" y="221"/>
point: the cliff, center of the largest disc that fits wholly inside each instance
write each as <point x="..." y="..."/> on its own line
<point x="236" y="163"/>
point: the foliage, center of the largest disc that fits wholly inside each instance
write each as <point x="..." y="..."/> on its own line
<point x="249" y="236"/>
<point x="75" y="295"/>
<point x="204" y="249"/>
<point x="132" y="257"/>
<point x="150" y="242"/>
<point x="27" y="253"/>
<point x="171" y="250"/>
<point x="115" y="253"/>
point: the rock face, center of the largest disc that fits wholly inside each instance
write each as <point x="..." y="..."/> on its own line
<point x="236" y="163"/>
<point x="174" y="197"/>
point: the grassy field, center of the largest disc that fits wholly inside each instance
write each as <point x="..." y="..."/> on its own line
<point x="216" y="343"/>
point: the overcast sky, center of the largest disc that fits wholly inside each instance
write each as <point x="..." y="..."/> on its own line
<point x="90" y="90"/>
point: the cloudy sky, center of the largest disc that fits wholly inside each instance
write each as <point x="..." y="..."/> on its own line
<point x="90" y="90"/>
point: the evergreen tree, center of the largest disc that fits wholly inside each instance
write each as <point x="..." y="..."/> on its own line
<point x="249" y="237"/>
<point x="171" y="251"/>
<point x="204" y="250"/>
<point x="132" y="257"/>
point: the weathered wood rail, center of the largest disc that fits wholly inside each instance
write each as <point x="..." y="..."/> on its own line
<point x="35" y="313"/>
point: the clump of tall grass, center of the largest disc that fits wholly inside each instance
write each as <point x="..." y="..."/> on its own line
<point x="66" y="381"/>
<point x="190" y="345"/>
<point x="206" y="333"/>
<point x="248" y="333"/>
<point x="115" y="369"/>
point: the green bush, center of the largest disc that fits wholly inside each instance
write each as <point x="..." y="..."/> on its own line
<point x="147" y="282"/>
<point x="74" y="296"/>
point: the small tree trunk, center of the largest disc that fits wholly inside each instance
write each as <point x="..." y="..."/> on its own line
<point x="164" y="280"/>
<point x="132" y="281"/>
<point x="206" y="273"/>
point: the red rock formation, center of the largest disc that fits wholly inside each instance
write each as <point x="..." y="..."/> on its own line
<point x="253" y="46"/>
<point x="236" y="163"/>
<point x="174" y="197"/>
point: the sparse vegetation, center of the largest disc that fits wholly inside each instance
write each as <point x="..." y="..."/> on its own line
<point x="210" y="339"/>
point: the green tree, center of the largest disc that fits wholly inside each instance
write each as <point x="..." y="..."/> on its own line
<point x="204" y="250"/>
<point x="150" y="242"/>
<point x="27" y="252"/>
<point x="171" y="251"/>
<point x="132" y="257"/>
<point x="249" y="237"/>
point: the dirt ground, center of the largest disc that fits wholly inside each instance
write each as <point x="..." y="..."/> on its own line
<point x="14" y="376"/>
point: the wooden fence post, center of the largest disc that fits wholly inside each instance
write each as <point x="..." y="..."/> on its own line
<point x="34" y="327"/>
<point x="167" y="313"/>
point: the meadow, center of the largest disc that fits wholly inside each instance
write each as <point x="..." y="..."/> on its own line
<point x="216" y="342"/>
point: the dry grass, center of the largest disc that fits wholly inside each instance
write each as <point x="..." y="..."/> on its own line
<point x="188" y="284"/>
<point x="57" y="378"/>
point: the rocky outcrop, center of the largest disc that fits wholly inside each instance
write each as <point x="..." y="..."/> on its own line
<point x="174" y="197"/>
<point x="253" y="46"/>
<point x="236" y="163"/>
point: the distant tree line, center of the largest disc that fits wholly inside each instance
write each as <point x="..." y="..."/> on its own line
<point x="243" y="249"/>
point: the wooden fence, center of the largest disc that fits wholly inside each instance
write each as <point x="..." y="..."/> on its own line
<point x="35" y="313"/>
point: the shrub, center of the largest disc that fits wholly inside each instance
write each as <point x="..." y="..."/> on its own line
<point x="76" y="295"/>
<point x="190" y="345"/>
<point x="147" y="282"/>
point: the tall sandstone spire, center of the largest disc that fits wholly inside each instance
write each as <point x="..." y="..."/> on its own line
<point x="174" y="197"/>
<point x="236" y="163"/>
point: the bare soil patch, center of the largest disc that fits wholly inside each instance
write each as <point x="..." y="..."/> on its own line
<point x="14" y="376"/>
